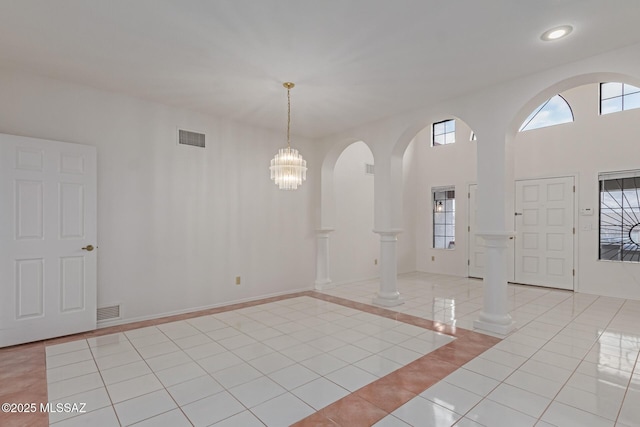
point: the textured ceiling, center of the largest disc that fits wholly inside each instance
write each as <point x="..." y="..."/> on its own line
<point x="353" y="61"/>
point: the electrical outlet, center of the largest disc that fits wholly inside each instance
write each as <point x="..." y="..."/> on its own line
<point x="237" y="280"/>
<point x="375" y="261"/>
<point x="433" y="258"/>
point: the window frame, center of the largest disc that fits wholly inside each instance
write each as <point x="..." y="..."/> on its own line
<point x="444" y="133"/>
<point x="439" y="217"/>
<point x="620" y="212"/>
<point x="531" y="117"/>
<point x="622" y="97"/>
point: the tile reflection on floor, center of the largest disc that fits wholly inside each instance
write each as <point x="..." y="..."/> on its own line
<point x="573" y="361"/>
<point x="273" y="363"/>
<point x="332" y="358"/>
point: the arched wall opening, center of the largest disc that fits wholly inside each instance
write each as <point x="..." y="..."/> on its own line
<point x="354" y="247"/>
<point x="435" y="167"/>
<point x="583" y="149"/>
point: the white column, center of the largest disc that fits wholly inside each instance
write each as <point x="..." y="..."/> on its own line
<point x="495" y="224"/>
<point x="323" y="281"/>
<point x="494" y="316"/>
<point x="388" y="295"/>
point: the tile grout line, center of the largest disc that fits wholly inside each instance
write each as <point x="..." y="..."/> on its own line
<point x="635" y="365"/>
<point x="581" y="360"/>
<point x="405" y="318"/>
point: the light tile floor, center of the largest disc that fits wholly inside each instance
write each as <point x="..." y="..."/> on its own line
<point x="332" y="359"/>
<point x="573" y="361"/>
<point x="271" y="364"/>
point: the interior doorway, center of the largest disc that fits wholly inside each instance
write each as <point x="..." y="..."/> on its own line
<point x="48" y="226"/>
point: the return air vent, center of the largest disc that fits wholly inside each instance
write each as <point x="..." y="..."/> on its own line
<point x="109" y="313"/>
<point x="368" y="169"/>
<point x="186" y="137"/>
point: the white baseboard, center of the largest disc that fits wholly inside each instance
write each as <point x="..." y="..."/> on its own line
<point x="121" y="321"/>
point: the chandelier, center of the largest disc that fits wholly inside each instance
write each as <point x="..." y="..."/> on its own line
<point x="288" y="168"/>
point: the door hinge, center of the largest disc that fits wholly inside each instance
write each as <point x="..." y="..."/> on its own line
<point x="469" y="195"/>
<point x="574" y="188"/>
<point x="468" y="228"/>
<point x="468" y="262"/>
<point x="574" y="230"/>
<point x="574" y="271"/>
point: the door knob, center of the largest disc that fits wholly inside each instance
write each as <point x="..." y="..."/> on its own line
<point x="88" y="248"/>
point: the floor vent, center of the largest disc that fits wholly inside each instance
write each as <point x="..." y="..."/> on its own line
<point x="186" y="137"/>
<point x="368" y="168"/>
<point x="109" y="313"/>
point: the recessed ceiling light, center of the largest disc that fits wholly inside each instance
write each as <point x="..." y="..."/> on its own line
<point x="556" y="33"/>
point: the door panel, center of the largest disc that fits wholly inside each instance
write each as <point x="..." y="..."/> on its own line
<point x="544" y="232"/>
<point x="47" y="215"/>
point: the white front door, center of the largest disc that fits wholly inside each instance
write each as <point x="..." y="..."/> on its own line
<point x="47" y="239"/>
<point x="544" y="232"/>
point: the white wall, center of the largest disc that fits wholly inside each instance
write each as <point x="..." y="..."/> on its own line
<point x="410" y="187"/>
<point x="353" y="245"/>
<point x="443" y="166"/>
<point x="176" y="224"/>
<point x="591" y="144"/>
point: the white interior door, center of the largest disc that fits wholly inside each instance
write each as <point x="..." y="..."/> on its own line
<point x="544" y="225"/>
<point x="47" y="235"/>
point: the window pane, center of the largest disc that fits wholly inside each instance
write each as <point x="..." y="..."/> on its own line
<point x="627" y="89"/>
<point x="555" y="111"/>
<point x="611" y="105"/>
<point x="438" y="139"/>
<point x="632" y="101"/>
<point x="450" y="126"/>
<point x="619" y="216"/>
<point x="609" y="90"/>
<point x="444" y="217"/>
<point x="438" y="128"/>
<point x="450" y="138"/>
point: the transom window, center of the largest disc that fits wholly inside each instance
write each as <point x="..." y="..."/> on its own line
<point x="444" y="132"/>
<point x="616" y="97"/>
<point x="444" y="221"/>
<point x="620" y="216"/>
<point x="553" y="111"/>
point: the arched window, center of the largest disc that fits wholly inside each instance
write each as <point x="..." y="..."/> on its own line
<point x="553" y="111"/>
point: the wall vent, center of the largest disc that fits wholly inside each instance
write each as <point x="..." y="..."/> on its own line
<point x="187" y="137"/>
<point x="109" y="313"/>
<point x="368" y="169"/>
